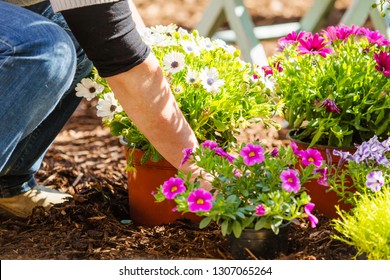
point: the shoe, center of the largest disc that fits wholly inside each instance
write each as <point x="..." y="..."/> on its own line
<point x="23" y="204"/>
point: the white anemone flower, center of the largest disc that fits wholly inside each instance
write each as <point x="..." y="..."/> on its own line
<point x="164" y="29"/>
<point x="88" y="89"/>
<point x="205" y="43"/>
<point x="210" y="81"/>
<point x="190" y="47"/>
<point x="108" y="106"/>
<point x="192" y="76"/>
<point x="174" y="62"/>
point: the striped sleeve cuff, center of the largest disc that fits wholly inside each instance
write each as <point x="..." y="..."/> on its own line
<point x="61" y="5"/>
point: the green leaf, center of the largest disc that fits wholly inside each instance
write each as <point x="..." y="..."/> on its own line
<point x="237" y="229"/>
<point x="205" y="222"/>
<point x="224" y="227"/>
<point x="260" y="224"/>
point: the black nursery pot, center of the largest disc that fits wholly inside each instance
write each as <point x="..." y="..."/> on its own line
<point x="264" y="244"/>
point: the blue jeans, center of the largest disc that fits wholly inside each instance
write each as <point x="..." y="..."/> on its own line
<point x="40" y="65"/>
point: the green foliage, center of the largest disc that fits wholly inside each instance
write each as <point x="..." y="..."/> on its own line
<point x="367" y="226"/>
<point x="382" y="6"/>
<point x="350" y="176"/>
<point x="239" y="188"/>
<point x="348" y="76"/>
<point x="218" y="115"/>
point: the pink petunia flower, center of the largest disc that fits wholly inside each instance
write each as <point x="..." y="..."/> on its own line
<point x="200" y="200"/>
<point x="290" y="180"/>
<point x="187" y="154"/>
<point x="313" y="219"/>
<point x="252" y="154"/>
<point x="314" y="45"/>
<point x="323" y="180"/>
<point x="172" y="187"/>
<point x="311" y="156"/>
<point x="221" y="152"/>
<point x="295" y="148"/>
<point x="260" y="210"/>
<point x="210" y="144"/>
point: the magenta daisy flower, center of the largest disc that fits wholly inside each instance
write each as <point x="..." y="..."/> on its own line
<point x="383" y="62"/>
<point x="311" y="156"/>
<point x="252" y="154"/>
<point x="291" y="38"/>
<point x="374" y="37"/>
<point x="341" y="32"/>
<point x="187" y="154"/>
<point x="200" y="200"/>
<point x="172" y="187"/>
<point x="314" y="45"/>
<point x="313" y="219"/>
<point x="260" y="210"/>
<point x="290" y="180"/>
<point x="330" y="106"/>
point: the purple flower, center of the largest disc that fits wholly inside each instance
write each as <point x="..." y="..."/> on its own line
<point x="330" y="106"/>
<point x="313" y="219"/>
<point x="314" y="45"/>
<point x="260" y="210"/>
<point x="267" y="70"/>
<point x="311" y="156"/>
<point x="290" y="180"/>
<point x="172" y="187"/>
<point x="275" y="152"/>
<point x="383" y="62"/>
<point x="187" y="154"/>
<point x="221" y="152"/>
<point x="210" y="144"/>
<point x="323" y="180"/>
<point x="375" y="180"/>
<point x="252" y="154"/>
<point x="200" y="200"/>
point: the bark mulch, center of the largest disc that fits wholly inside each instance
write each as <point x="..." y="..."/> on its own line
<point x="86" y="161"/>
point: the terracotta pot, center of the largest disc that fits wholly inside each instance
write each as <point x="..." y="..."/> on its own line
<point x="324" y="200"/>
<point x="142" y="182"/>
<point x="263" y="244"/>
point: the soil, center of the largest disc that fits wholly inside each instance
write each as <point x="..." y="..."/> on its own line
<point x="89" y="163"/>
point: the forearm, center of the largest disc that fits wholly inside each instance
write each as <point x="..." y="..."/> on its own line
<point x="135" y="15"/>
<point x="145" y="95"/>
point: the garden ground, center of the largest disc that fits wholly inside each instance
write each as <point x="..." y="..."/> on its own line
<point x="86" y="161"/>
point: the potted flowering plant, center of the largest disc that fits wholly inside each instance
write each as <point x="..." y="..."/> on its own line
<point x="218" y="93"/>
<point x="252" y="189"/>
<point x="333" y="85"/>
<point x="364" y="172"/>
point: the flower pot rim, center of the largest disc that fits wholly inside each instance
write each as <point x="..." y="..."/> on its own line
<point x="324" y="147"/>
